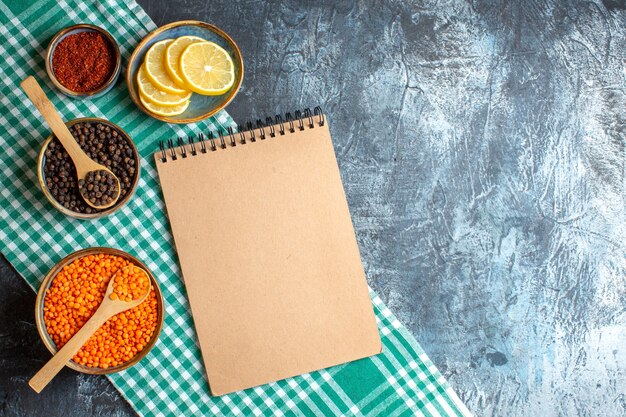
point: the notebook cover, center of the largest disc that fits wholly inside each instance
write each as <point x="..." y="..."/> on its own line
<point x="269" y="258"/>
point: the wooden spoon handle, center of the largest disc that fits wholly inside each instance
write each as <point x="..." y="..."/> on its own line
<point x="52" y="117"/>
<point x="63" y="356"/>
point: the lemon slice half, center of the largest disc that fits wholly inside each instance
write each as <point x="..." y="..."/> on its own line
<point x="162" y="110"/>
<point x="156" y="96"/>
<point x="155" y="69"/>
<point x="172" y="56"/>
<point x="207" y="68"/>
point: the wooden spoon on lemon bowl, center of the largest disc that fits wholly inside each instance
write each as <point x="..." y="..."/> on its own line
<point x="113" y="303"/>
<point x="97" y="184"/>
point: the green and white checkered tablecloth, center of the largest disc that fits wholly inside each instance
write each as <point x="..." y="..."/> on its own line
<point x="171" y="380"/>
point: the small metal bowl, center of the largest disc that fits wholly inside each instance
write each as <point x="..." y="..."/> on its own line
<point x="41" y="295"/>
<point x="70" y="30"/>
<point x="87" y="216"/>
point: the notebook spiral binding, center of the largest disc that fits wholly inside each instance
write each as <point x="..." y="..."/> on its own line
<point x="247" y="132"/>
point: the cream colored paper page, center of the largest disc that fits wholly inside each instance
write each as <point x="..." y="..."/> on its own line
<point x="269" y="259"/>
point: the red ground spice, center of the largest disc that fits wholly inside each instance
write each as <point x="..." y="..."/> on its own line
<point x="84" y="61"/>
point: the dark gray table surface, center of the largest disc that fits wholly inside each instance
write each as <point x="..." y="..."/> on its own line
<point x="481" y="145"/>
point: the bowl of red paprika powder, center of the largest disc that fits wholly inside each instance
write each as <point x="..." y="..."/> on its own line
<point x="83" y="61"/>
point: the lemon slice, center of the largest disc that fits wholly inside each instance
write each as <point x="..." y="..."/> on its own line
<point x="156" y="96"/>
<point x="172" y="56"/>
<point x="163" y="110"/>
<point x="207" y="68"/>
<point x="156" y="71"/>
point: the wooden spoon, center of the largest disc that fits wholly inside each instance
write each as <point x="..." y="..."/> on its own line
<point x="83" y="163"/>
<point x="108" y="308"/>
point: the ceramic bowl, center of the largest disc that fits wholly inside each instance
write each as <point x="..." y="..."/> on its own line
<point x="87" y="216"/>
<point x="41" y="326"/>
<point x="70" y="30"/>
<point x="201" y="107"/>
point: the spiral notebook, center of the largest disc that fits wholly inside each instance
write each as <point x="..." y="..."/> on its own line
<point x="267" y="251"/>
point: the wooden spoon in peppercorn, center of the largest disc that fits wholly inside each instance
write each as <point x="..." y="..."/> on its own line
<point x="98" y="185"/>
<point x="107" y="309"/>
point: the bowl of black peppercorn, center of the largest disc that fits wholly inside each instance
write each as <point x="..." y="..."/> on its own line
<point x="104" y="142"/>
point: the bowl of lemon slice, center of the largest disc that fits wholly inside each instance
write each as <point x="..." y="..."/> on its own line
<point x="184" y="72"/>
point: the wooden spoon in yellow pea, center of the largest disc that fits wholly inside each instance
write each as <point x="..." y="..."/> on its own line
<point x="116" y="300"/>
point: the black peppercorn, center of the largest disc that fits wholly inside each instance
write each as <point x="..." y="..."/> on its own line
<point x="96" y="140"/>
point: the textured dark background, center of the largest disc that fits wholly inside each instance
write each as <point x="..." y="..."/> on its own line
<point x="481" y="146"/>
